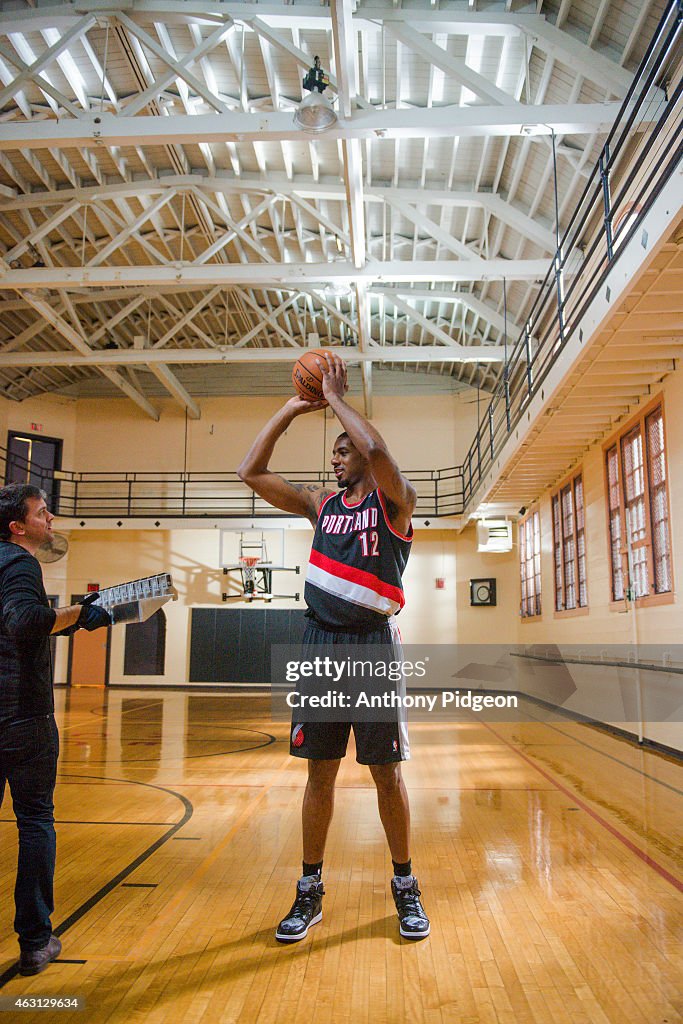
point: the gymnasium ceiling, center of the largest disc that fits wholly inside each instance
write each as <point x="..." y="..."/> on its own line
<point x="165" y="228"/>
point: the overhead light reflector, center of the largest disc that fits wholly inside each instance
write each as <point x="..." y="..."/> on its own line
<point x="315" y="113"/>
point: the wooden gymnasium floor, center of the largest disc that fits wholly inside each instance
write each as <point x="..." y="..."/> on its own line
<point x="548" y="856"/>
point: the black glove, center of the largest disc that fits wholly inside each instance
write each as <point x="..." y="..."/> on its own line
<point x="92" y="616"/>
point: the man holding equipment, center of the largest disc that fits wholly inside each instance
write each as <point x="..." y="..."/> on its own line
<point x="29" y="742"/>
<point x="353" y="590"/>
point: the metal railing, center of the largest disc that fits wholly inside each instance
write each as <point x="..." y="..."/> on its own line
<point x="640" y="154"/>
<point x="156" y="495"/>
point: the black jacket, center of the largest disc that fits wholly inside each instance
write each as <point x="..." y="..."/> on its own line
<point x="26" y="621"/>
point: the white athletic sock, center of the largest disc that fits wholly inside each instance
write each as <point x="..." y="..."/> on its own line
<point x="403" y="881"/>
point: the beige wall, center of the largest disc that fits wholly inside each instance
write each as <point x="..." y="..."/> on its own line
<point x="425" y="432"/>
<point x="56" y="415"/>
<point x="482" y="625"/>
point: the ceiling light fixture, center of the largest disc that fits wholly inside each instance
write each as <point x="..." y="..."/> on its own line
<point x="315" y="114"/>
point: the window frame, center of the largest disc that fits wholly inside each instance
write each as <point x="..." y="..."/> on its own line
<point x="569" y="481"/>
<point x="638" y="420"/>
<point x="533" y="512"/>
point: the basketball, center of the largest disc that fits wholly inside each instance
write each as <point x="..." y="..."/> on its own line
<point x="307" y="376"/>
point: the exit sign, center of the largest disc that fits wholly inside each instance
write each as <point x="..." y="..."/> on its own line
<point x="37" y="426"/>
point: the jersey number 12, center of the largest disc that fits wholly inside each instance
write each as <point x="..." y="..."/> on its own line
<point x="371" y="546"/>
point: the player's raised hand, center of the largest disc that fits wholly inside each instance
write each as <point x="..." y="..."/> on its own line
<point x="333" y="369"/>
<point x="297" y="405"/>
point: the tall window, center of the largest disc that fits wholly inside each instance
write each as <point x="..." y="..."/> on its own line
<point x="640" y="540"/>
<point x="569" y="546"/>
<point x="530" y="564"/>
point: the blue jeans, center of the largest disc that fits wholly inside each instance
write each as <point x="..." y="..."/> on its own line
<point x="29" y="748"/>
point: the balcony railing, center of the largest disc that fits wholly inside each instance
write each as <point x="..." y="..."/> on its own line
<point x="149" y="495"/>
<point x="641" y="153"/>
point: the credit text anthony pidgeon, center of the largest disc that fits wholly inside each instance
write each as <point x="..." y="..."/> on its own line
<point x="425" y="701"/>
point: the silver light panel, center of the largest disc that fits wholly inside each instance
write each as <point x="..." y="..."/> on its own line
<point x="138" y="600"/>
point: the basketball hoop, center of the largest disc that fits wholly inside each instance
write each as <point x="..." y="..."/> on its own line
<point x="249" y="563"/>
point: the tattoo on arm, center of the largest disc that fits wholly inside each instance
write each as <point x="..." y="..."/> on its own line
<point x="313" y="488"/>
<point x="316" y="493"/>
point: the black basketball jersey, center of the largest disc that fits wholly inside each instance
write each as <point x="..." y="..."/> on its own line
<point x="353" y="580"/>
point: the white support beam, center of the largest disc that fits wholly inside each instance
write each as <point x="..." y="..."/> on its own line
<point x="489" y="353"/>
<point x="280" y="41"/>
<point x="352" y="158"/>
<point x="57" y="101"/>
<point x="571" y="52"/>
<point x="237" y="230"/>
<point x="41" y="231"/>
<point x="85" y="353"/>
<point x="187" y="318"/>
<point x="420" y="220"/>
<point x="527" y="226"/>
<point x="259" y="275"/>
<point x="331" y="308"/>
<point x="364" y="343"/>
<point x="179" y="68"/>
<point x="104" y="359"/>
<point x="308" y="16"/>
<point x="116" y="319"/>
<point x="138" y="103"/>
<point x="269" y="318"/>
<point x="466" y="299"/>
<point x="321" y="217"/>
<point x="437" y="57"/>
<point x="173" y="385"/>
<point x="132" y="228"/>
<point x="346" y="60"/>
<point x="28" y="74"/>
<point x="192" y="326"/>
<point x="296" y="191"/>
<point x="405" y="123"/>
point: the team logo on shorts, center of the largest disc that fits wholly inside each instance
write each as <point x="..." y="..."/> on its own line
<point x="394" y="746"/>
<point x="297" y="735"/>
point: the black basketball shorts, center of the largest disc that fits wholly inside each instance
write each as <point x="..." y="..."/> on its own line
<point x="376" y="742"/>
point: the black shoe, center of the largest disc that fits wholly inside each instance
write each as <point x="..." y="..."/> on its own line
<point x="33" y="961"/>
<point x="306" y="910"/>
<point x="413" y="922"/>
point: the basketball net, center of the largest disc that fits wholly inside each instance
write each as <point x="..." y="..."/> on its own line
<point x="249" y="563"/>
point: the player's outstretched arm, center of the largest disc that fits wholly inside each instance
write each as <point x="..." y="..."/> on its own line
<point x="299" y="499"/>
<point x="369" y="442"/>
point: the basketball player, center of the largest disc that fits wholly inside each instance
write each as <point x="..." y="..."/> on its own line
<point x="353" y="589"/>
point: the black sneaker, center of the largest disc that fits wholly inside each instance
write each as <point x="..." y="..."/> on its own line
<point x="306" y="910"/>
<point x="413" y="922"/>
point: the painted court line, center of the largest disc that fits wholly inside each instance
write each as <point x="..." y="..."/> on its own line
<point x="151" y="934"/>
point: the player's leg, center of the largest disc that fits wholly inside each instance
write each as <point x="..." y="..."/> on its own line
<point x="394" y="811"/>
<point x="324" y="745"/>
<point x="317" y="808"/>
